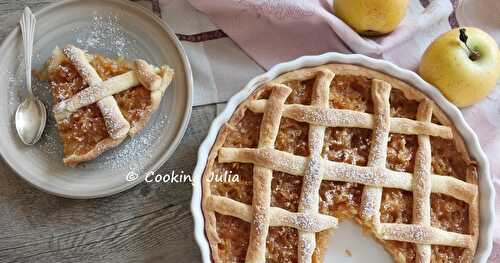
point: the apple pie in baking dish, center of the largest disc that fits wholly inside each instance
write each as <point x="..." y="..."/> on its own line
<point x="336" y="142"/>
<point x="99" y="101"/>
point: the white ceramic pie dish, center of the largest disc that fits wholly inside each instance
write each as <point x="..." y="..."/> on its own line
<point x="112" y="28"/>
<point x="362" y="248"/>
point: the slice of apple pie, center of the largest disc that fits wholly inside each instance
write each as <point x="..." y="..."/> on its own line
<point x="99" y="101"/>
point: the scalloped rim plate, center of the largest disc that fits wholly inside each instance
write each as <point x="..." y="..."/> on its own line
<point x="487" y="192"/>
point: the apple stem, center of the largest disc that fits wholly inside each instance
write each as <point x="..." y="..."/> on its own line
<point x="474" y="55"/>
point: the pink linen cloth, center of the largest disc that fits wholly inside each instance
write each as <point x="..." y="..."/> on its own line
<point x="274" y="31"/>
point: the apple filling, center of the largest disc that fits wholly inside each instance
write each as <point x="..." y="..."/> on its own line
<point x="340" y="199"/>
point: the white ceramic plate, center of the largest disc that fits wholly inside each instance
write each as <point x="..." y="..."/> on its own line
<point x="113" y="28"/>
<point x="348" y="236"/>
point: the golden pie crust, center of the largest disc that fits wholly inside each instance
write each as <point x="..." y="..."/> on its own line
<point x="99" y="101"/>
<point x="338" y="142"/>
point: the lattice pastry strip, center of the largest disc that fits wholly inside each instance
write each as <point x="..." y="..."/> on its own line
<point x="372" y="195"/>
<point x="309" y="199"/>
<point x="312" y="222"/>
<point x="422" y="181"/>
<point x="330" y="117"/>
<point x="343" y="172"/>
<point x="262" y="176"/>
<point x="374" y="176"/>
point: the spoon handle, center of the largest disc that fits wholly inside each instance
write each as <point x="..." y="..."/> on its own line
<point x="28" y="22"/>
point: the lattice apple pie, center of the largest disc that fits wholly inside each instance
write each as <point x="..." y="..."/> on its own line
<point x="99" y="101"/>
<point x="338" y="142"/>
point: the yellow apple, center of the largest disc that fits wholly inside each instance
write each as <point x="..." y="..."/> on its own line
<point x="371" y="17"/>
<point x="465" y="73"/>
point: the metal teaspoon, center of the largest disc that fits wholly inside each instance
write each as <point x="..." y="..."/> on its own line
<point x="31" y="114"/>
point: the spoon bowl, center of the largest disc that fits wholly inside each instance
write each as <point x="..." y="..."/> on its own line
<point x="30" y="119"/>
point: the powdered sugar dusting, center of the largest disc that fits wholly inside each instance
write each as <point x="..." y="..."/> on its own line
<point x="415" y="233"/>
<point x="259" y="223"/>
<point x="280" y="162"/>
<point x="310" y="185"/>
<point x="17" y="83"/>
<point x="310" y="222"/>
<point x="116" y="124"/>
<point x="306" y="249"/>
<point x="106" y="35"/>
